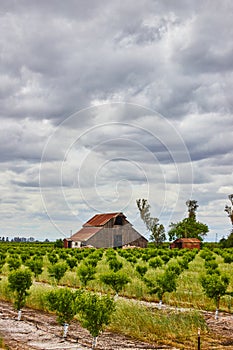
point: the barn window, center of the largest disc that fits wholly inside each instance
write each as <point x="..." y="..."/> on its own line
<point x="119" y="220"/>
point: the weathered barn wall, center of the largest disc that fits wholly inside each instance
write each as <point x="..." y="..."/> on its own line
<point x="116" y="237"/>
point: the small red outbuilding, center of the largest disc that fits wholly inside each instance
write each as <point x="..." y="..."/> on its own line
<point x="189" y="243"/>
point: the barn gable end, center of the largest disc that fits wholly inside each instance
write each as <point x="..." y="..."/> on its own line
<point x="105" y="231"/>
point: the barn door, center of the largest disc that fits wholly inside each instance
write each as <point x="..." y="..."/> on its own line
<point x="118" y="241"/>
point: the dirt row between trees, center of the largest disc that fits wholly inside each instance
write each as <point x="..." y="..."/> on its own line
<point x="39" y="330"/>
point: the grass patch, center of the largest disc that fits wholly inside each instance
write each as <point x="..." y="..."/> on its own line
<point x="173" y="328"/>
<point x="2" y="344"/>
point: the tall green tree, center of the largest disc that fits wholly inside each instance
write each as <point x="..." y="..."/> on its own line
<point x="188" y="227"/>
<point x="227" y="243"/>
<point x="192" y="207"/>
<point x="156" y="229"/>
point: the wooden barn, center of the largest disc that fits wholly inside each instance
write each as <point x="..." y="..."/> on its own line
<point x="110" y="230"/>
<point x="189" y="243"/>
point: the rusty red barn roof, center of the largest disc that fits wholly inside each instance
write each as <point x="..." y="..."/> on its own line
<point x="85" y="233"/>
<point x="101" y="219"/>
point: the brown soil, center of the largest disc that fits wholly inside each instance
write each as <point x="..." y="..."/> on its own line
<point x="38" y="330"/>
<point x="221" y="331"/>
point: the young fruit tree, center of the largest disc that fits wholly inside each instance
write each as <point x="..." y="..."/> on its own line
<point x="165" y="282"/>
<point x="86" y="273"/>
<point x="215" y="286"/>
<point x="58" y="270"/>
<point x="141" y="270"/>
<point x="115" y="264"/>
<point x="63" y="302"/>
<point x="35" y="265"/>
<point x="14" y="262"/>
<point x="116" y="280"/>
<point x="19" y="282"/>
<point x="2" y="260"/>
<point x="94" y="313"/>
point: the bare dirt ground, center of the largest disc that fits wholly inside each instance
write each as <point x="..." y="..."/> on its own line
<point x="38" y="330"/>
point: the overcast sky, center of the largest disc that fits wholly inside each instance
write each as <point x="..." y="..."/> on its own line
<point x="104" y="102"/>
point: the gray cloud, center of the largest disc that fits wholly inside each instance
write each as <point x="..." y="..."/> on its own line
<point x="125" y="64"/>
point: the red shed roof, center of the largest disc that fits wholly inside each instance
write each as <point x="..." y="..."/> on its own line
<point x="188" y="240"/>
<point x="101" y="219"/>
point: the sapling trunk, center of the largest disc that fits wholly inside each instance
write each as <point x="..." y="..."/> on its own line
<point x="94" y="342"/>
<point x="217" y="308"/>
<point x="65" y="330"/>
<point x="19" y="315"/>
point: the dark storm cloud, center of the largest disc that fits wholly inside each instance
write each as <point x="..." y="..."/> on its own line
<point x="61" y="61"/>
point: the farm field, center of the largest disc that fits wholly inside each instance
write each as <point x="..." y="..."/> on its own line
<point x="139" y="321"/>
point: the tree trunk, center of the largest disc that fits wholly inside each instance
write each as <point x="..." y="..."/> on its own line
<point x="94" y="342"/>
<point x="217" y="308"/>
<point x="19" y="315"/>
<point x="65" y="330"/>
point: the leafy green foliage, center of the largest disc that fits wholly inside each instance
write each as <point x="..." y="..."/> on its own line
<point x="227" y="242"/>
<point x="215" y="286"/>
<point x="63" y="302"/>
<point x="174" y="267"/>
<point x="91" y="261"/>
<point x="115" y="264"/>
<point x="165" y="282"/>
<point x="53" y="258"/>
<point x="19" y="282"/>
<point x="58" y="243"/>
<point x="14" y="262"/>
<point x="155" y="262"/>
<point x="141" y="270"/>
<point x="192" y="207"/>
<point x="188" y="228"/>
<point x="2" y="260"/>
<point x="72" y="262"/>
<point x="116" y="280"/>
<point x="95" y="312"/>
<point x="58" y="270"/>
<point x="228" y="258"/>
<point x="211" y="264"/>
<point x="35" y="265"/>
<point x="86" y="273"/>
